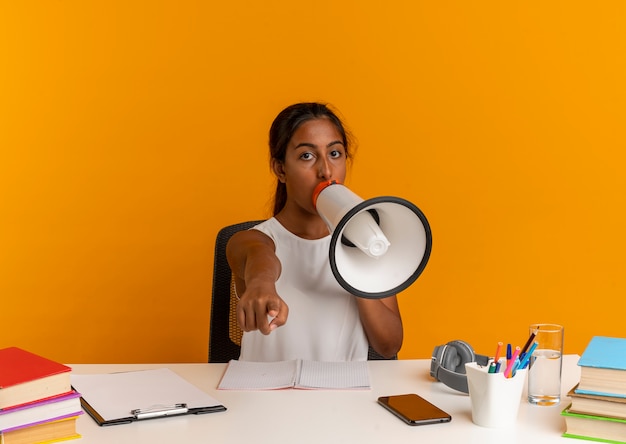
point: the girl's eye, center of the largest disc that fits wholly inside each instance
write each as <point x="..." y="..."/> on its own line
<point x="306" y="156"/>
<point x="335" y="154"/>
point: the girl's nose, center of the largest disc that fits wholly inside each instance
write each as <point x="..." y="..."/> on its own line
<point x="325" y="171"/>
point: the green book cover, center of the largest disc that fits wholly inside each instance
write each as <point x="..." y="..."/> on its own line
<point x="566" y="413"/>
<point x="588" y="438"/>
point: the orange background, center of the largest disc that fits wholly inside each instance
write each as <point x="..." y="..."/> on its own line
<point x="130" y="132"/>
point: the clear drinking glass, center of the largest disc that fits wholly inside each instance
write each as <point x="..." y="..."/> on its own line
<point x="544" y="373"/>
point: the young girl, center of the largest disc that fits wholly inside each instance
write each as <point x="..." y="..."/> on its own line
<point x="290" y="304"/>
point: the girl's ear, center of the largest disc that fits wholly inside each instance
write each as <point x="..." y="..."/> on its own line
<point x="279" y="169"/>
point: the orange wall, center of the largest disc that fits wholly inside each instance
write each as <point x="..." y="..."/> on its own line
<point x="130" y="132"/>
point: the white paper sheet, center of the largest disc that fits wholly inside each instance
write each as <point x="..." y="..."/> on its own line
<point x="114" y="395"/>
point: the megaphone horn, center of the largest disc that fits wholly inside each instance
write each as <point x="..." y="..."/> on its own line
<point x="379" y="246"/>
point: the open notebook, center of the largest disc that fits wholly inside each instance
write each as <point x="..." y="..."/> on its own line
<point x="301" y="374"/>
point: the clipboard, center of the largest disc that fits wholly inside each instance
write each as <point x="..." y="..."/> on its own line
<point x="122" y="398"/>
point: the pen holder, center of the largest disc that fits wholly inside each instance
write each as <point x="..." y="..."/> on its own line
<point x="495" y="399"/>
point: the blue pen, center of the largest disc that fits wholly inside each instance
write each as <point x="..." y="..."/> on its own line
<point x="508" y="354"/>
<point x="516" y="365"/>
<point x="526" y="360"/>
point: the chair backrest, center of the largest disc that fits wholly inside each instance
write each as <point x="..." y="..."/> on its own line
<point x="225" y="334"/>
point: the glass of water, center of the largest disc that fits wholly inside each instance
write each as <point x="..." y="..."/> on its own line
<point x="544" y="373"/>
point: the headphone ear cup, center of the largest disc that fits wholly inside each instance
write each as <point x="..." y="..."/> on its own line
<point x="435" y="361"/>
<point x="448" y="361"/>
<point x="465" y="354"/>
<point x="450" y="358"/>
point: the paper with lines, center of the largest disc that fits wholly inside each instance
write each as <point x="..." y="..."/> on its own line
<point x="300" y="374"/>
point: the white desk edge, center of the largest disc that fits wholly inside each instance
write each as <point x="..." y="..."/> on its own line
<point x="316" y="416"/>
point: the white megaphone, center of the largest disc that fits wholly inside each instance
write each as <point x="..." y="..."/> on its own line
<point x="379" y="246"/>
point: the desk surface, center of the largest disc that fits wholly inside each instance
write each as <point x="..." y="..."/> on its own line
<point x="324" y="416"/>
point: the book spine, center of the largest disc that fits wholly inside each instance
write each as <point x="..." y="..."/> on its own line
<point x="56" y="418"/>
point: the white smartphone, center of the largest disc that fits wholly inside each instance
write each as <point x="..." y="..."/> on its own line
<point x="413" y="409"/>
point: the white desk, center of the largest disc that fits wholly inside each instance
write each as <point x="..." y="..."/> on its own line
<point x="323" y="416"/>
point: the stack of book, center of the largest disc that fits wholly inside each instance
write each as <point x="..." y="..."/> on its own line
<point x="37" y="403"/>
<point x="598" y="408"/>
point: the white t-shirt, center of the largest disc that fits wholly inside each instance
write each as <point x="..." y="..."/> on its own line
<point x="323" y="322"/>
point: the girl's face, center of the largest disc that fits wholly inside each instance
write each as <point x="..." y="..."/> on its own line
<point x="315" y="154"/>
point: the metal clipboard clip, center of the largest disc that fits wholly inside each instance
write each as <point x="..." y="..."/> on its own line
<point x="157" y="411"/>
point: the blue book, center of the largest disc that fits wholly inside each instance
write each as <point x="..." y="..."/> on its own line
<point x="603" y="367"/>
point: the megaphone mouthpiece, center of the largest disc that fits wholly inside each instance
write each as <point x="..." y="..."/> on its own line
<point x="320" y="187"/>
